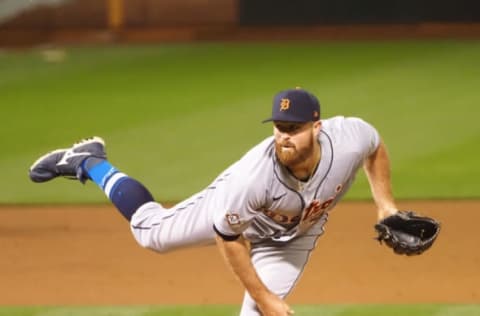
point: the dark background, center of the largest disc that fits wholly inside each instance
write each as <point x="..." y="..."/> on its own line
<point x="320" y="12"/>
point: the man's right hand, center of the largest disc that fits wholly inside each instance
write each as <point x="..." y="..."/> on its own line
<point x="237" y="256"/>
<point x="272" y="305"/>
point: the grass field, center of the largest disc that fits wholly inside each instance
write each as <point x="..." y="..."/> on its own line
<point x="175" y="115"/>
<point x="305" y="310"/>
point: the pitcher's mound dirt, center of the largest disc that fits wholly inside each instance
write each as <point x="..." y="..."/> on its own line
<point x="86" y="255"/>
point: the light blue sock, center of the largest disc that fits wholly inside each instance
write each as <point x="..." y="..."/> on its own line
<point x="101" y="173"/>
<point x="125" y="193"/>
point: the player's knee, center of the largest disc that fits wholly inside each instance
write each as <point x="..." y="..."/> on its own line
<point x="142" y="241"/>
<point x="146" y="229"/>
<point x="146" y="241"/>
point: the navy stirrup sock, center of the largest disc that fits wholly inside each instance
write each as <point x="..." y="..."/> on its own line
<point x="127" y="194"/>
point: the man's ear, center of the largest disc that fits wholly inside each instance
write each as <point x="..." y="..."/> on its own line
<point x="317" y="127"/>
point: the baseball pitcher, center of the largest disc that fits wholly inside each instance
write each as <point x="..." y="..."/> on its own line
<point x="266" y="211"/>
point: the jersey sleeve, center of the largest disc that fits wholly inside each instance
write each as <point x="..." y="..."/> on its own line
<point x="240" y="203"/>
<point x="367" y="136"/>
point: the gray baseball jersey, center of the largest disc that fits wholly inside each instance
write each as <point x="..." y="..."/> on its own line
<point x="259" y="198"/>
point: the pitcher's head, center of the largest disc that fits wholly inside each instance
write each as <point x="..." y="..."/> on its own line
<point x="296" y="120"/>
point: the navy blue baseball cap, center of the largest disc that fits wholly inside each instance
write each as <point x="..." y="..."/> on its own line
<point x="295" y="105"/>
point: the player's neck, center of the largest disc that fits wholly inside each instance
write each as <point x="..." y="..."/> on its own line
<point x="305" y="170"/>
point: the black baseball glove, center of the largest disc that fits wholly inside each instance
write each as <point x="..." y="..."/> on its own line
<point x="407" y="233"/>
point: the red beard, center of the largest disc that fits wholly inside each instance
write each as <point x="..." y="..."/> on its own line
<point x="292" y="157"/>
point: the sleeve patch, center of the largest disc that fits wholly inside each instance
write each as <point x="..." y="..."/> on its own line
<point x="233" y="220"/>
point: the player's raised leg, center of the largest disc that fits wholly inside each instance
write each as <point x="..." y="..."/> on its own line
<point x="87" y="160"/>
<point x="186" y="224"/>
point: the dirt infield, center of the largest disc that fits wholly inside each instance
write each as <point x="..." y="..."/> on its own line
<point x="86" y="255"/>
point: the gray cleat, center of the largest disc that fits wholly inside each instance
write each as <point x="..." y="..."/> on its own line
<point x="66" y="162"/>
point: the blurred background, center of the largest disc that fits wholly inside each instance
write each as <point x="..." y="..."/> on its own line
<point x="26" y="22"/>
